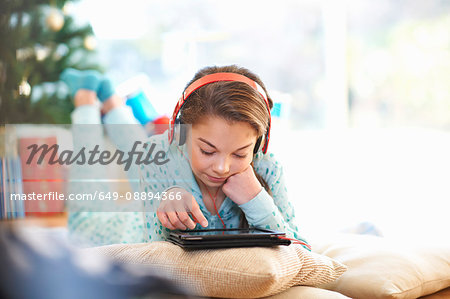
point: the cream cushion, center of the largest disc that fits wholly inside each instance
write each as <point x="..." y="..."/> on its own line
<point x="231" y="273"/>
<point x="305" y="292"/>
<point x="382" y="268"/>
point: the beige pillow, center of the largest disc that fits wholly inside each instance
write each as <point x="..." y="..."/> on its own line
<point x="233" y="273"/>
<point x="382" y="268"/>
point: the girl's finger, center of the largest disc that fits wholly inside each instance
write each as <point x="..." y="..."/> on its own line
<point x="186" y="220"/>
<point x="164" y="220"/>
<point x="173" y="217"/>
<point x="193" y="217"/>
<point x="197" y="213"/>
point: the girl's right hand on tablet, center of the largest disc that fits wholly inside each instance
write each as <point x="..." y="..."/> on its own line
<point x="176" y="210"/>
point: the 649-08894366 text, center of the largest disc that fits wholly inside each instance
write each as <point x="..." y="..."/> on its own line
<point x="50" y="196"/>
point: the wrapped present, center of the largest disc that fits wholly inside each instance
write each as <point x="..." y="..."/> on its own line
<point x="42" y="179"/>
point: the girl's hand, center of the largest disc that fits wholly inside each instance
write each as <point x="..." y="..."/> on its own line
<point x="175" y="213"/>
<point x="242" y="187"/>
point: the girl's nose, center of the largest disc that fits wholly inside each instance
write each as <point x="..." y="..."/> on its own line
<point x="221" y="166"/>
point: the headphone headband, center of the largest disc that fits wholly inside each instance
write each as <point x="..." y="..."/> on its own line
<point x="216" y="77"/>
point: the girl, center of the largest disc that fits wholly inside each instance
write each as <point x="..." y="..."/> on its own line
<point x="218" y="173"/>
<point x="218" y="168"/>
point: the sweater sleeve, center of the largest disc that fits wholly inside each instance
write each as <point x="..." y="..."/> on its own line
<point x="155" y="180"/>
<point x="272" y="212"/>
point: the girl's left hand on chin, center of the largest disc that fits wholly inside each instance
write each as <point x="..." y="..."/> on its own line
<point x="242" y="187"/>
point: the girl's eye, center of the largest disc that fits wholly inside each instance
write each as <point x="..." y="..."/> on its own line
<point x="211" y="153"/>
<point x="206" y="153"/>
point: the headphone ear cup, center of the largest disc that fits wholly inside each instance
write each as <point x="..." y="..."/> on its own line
<point x="258" y="145"/>
<point x="180" y="132"/>
<point x="182" y="136"/>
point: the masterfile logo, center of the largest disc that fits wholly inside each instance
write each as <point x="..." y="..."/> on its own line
<point x="140" y="153"/>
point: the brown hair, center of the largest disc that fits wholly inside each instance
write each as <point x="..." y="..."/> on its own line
<point x="230" y="100"/>
<point x="233" y="101"/>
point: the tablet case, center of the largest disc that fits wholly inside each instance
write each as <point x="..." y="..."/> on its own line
<point x="188" y="240"/>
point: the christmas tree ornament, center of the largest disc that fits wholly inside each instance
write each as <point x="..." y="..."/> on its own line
<point x="24" y="88"/>
<point x="90" y="43"/>
<point x="41" y="52"/>
<point x="68" y="8"/>
<point x="55" y="20"/>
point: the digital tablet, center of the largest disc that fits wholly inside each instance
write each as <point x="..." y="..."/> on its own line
<point x="226" y="238"/>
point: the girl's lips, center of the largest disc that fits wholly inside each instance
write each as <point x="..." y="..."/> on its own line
<point x="217" y="180"/>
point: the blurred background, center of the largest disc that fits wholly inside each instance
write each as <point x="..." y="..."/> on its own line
<point x="361" y="89"/>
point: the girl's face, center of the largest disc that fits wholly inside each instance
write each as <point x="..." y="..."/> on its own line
<point x="219" y="149"/>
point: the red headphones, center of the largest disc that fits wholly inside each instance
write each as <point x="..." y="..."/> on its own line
<point x="215" y="78"/>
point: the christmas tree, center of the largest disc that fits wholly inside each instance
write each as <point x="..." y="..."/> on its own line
<point x="39" y="39"/>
